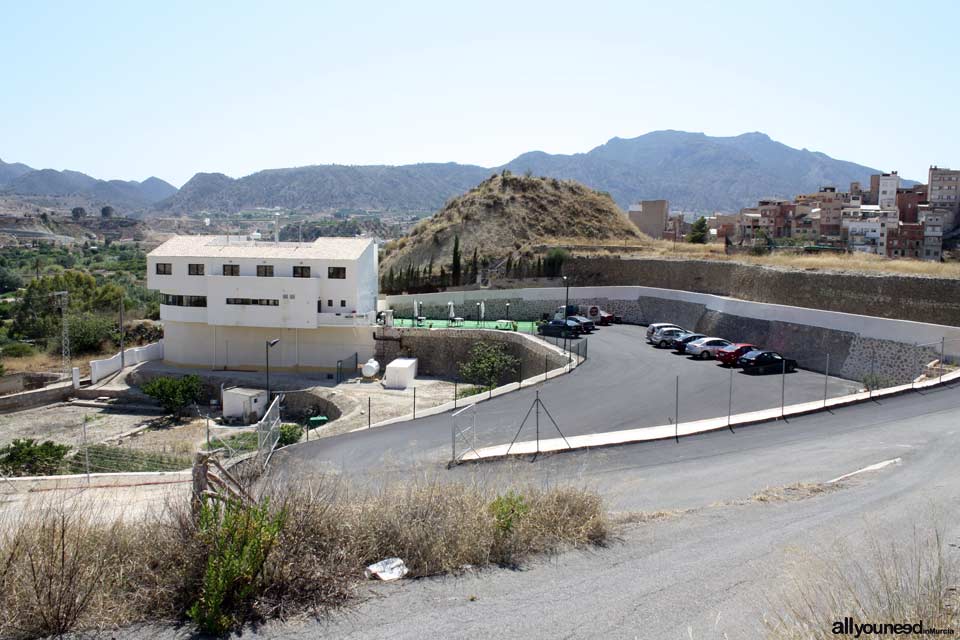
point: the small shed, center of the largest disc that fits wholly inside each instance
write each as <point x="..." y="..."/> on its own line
<point x="400" y="373"/>
<point x="244" y="405"/>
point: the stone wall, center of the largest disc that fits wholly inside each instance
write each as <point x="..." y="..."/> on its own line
<point x="918" y="298"/>
<point x="439" y="352"/>
<point x="56" y="392"/>
<point x="25" y="381"/>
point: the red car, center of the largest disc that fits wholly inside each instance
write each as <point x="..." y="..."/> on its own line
<point x="728" y="356"/>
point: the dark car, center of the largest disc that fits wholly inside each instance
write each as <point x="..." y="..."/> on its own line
<point x="680" y="342"/>
<point x="766" y="362"/>
<point x="730" y="357"/>
<point x="586" y="324"/>
<point x="560" y="329"/>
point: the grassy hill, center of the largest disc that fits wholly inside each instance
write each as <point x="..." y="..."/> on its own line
<point x="519" y="217"/>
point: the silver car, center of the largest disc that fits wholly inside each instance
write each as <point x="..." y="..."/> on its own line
<point x="707" y="347"/>
<point x="664" y="337"/>
<point x="656" y="326"/>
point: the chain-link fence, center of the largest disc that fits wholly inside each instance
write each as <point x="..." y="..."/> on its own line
<point x="655" y="393"/>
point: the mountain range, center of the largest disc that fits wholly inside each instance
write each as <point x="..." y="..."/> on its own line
<point x="20" y="180"/>
<point x="694" y="171"/>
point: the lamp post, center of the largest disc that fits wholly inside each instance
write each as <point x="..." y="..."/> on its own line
<point x="508" y="311"/>
<point x="478" y="315"/>
<point x="566" y="307"/>
<point x="268" y="345"/>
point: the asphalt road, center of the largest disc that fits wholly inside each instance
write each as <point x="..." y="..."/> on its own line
<point x="625" y="383"/>
<point x="716" y="569"/>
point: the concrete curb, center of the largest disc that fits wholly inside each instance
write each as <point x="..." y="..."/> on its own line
<point x="669" y="431"/>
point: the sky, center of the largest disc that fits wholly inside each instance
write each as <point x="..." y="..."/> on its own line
<point x="133" y="89"/>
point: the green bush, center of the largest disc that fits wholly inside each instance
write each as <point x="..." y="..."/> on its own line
<point x="488" y="364"/>
<point x="27" y="457"/>
<point x="507" y="509"/>
<point x="289" y="434"/>
<point x="17" y="350"/>
<point x="239" y="539"/>
<point x="174" y="394"/>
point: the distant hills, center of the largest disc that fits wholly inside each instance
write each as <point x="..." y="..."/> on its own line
<point x="692" y="170"/>
<point x="20" y="180"/>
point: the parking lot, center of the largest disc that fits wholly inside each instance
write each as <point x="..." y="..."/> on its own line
<point x="626" y="383"/>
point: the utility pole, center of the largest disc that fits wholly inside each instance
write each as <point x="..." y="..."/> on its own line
<point x="63" y="299"/>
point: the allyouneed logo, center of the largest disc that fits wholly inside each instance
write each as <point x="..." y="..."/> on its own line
<point x="847" y="627"/>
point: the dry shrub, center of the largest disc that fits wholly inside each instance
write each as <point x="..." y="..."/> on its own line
<point x="64" y="568"/>
<point x="896" y="583"/>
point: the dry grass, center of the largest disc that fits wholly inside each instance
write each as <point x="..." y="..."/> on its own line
<point x="48" y="362"/>
<point x="63" y="568"/>
<point x="895" y="584"/>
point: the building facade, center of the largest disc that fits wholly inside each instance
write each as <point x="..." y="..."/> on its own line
<point x="650" y="216"/>
<point x="223" y="298"/>
<point x="943" y="189"/>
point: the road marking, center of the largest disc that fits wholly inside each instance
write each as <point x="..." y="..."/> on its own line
<point x="873" y="467"/>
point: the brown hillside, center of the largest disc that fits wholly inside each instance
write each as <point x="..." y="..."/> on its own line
<point x="513" y="215"/>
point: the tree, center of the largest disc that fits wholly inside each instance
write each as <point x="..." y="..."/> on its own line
<point x="488" y="364"/>
<point x="508" y="268"/>
<point x="78" y="212"/>
<point x="698" y="232"/>
<point x="174" y="394"/>
<point x="474" y="267"/>
<point x="443" y="278"/>
<point x="10" y="280"/>
<point x="553" y="264"/>
<point x="107" y="212"/>
<point x="455" y="268"/>
<point x="31" y="458"/>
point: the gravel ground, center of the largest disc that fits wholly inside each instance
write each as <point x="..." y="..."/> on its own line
<point x="63" y="423"/>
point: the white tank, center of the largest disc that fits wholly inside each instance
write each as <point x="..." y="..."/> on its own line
<point x="370" y="368"/>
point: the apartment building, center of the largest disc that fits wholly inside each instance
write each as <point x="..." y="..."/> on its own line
<point x="905" y="240"/>
<point x="650" y="216"/>
<point x="224" y="298"/>
<point x="933" y="227"/>
<point x="887" y="183"/>
<point x="943" y="188"/>
<point x="909" y="200"/>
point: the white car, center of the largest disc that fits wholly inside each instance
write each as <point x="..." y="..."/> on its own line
<point x="664" y="337"/>
<point x="656" y="326"/>
<point x="707" y="347"/>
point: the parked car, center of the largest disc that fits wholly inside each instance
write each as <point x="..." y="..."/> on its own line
<point x="664" y="337"/>
<point x="656" y="326"/>
<point x="586" y="324"/>
<point x="706" y="347"/>
<point x="598" y="315"/>
<point x="766" y="362"/>
<point x="729" y="356"/>
<point x="559" y="329"/>
<point x="681" y="341"/>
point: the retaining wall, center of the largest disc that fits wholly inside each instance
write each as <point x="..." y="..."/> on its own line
<point x="25" y="381"/>
<point x="99" y="369"/>
<point x="56" y="392"/>
<point x="439" y="352"/>
<point x="859" y="347"/>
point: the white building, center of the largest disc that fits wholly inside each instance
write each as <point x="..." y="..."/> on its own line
<point x="223" y="298"/>
<point x="887" y="196"/>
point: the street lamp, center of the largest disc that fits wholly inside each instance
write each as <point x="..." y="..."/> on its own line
<point x="266" y="349"/>
<point x="478" y="314"/>
<point x="508" y="311"/>
<point x="566" y="309"/>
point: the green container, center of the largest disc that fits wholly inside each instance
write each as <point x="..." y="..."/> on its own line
<point x="317" y="421"/>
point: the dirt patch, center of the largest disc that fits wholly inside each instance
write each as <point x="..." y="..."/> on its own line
<point x="65" y="424"/>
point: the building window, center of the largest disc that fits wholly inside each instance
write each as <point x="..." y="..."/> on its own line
<point x="329" y="303"/>
<point x="264" y="270"/>
<point x="301" y="272"/>
<point x="182" y="301"/>
<point x="231" y="269"/>
<point x="262" y="302"/>
<point x="337" y="273"/>
<point x="194" y="269"/>
<point x="343" y="303"/>
<point x="319" y="306"/>
<point x="164" y="269"/>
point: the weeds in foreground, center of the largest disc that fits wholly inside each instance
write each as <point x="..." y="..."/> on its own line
<point x="64" y="568"/>
<point x="897" y="583"/>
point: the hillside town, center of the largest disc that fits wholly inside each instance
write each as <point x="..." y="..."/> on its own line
<point x="888" y="218"/>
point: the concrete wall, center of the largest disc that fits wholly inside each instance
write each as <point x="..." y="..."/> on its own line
<point x="918" y="298"/>
<point x="25" y="381"/>
<point x="56" y="392"/>
<point x="99" y="369"/>
<point x="243" y="348"/>
<point x="440" y="351"/>
<point x="857" y="345"/>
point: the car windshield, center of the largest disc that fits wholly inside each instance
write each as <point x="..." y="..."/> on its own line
<point x="752" y="354"/>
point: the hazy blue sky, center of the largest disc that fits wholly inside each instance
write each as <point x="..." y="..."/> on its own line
<point x="133" y="89"/>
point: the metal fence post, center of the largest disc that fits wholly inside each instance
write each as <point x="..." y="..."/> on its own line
<point x="86" y="449"/>
<point x="454" y="393"/>
<point x="873" y="375"/>
<point x="943" y="342"/>
<point x="369" y="415"/>
<point x="676" y="412"/>
<point x="414" y="403"/>
<point x="826" y="380"/>
<point x="730" y="402"/>
<point x="453" y="440"/>
<point x="546" y="364"/>
<point x="783" y="387"/>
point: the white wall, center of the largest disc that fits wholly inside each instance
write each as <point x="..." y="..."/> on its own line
<point x="867" y="326"/>
<point x="99" y="369"/>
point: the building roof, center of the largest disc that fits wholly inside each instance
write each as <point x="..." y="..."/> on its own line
<point x="245" y="391"/>
<point x="234" y="247"/>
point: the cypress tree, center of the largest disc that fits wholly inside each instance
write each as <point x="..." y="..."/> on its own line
<point x="456" y="261"/>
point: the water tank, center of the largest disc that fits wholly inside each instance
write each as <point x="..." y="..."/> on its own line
<point x="370" y="368"/>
